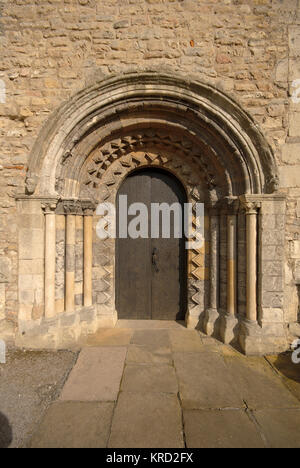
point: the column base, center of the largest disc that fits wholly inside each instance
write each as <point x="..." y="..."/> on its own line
<point x="257" y="340"/>
<point x="210" y="320"/>
<point x="107" y="321"/>
<point x="229" y="326"/>
<point x="192" y="322"/>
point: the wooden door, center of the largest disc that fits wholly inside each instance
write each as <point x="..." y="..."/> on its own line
<point x="151" y="272"/>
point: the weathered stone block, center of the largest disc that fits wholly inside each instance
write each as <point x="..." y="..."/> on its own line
<point x="272" y="283"/>
<point x="78" y="300"/>
<point x="271" y="299"/>
<point x="32" y="221"/>
<point x="294" y="128"/>
<point x="2" y="301"/>
<point x="289" y="176"/>
<point x="268" y="221"/>
<point x="274" y="268"/>
<point x="5" y="269"/>
<point x="88" y="315"/>
<point x="294" y="41"/>
<point x="31" y="282"/>
<point x="270" y="252"/>
<point x="295" y="249"/>
<point x="68" y="320"/>
<point x="26" y="297"/>
<point x="25" y="311"/>
<point x="281" y="72"/>
<point x="297" y="272"/>
<point x="272" y="238"/>
<point x="291" y="153"/>
<point x="31" y="244"/>
<point x="272" y="315"/>
<point x="273" y="206"/>
<point x="28" y="267"/>
<point x="29" y="207"/>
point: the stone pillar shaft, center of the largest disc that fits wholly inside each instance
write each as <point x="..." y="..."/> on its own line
<point x="88" y="258"/>
<point x="50" y="259"/>
<point x="228" y="324"/>
<point x="251" y="226"/>
<point x="70" y="262"/>
<point x="212" y="314"/>
<point x="214" y="261"/>
<point x="231" y="264"/>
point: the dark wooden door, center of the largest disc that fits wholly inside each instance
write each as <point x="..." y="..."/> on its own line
<point x="151" y="272"/>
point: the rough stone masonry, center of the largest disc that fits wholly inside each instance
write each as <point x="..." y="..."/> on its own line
<point x="52" y="49"/>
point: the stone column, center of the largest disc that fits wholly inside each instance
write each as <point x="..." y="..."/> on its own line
<point x="251" y="264"/>
<point x="229" y="319"/>
<point x="250" y="336"/>
<point x="88" y="210"/>
<point x="231" y="263"/>
<point x="212" y="314"/>
<point x="50" y="257"/>
<point x="71" y="210"/>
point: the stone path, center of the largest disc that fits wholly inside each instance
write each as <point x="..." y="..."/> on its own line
<point x="158" y="385"/>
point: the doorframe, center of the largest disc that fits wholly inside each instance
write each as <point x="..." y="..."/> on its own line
<point x="175" y="162"/>
<point x="186" y="256"/>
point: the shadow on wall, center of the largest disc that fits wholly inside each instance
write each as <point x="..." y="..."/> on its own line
<point x="6" y="434"/>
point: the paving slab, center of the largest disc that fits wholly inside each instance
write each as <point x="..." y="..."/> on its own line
<point x="229" y="351"/>
<point x="185" y="340"/>
<point x="210" y="344"/>
<point x="258" y="384"/>
<point x="280" y="427"/>
<point x="150" y="324"/>
<point x="147" y="420"/>
<point x="289" y="371"/>
<point x="149" y="355"/>
<point x="109" y="337"/>
<point x="204" y="382"/>
<point x="154" y="338"/>
<point x="149" y="379"/>
<point x="221" y="429"/>
<point x="74" y="425"/>
<point x="96" y="375"/>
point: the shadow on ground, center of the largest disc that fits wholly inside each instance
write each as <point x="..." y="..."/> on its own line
<point x="6" y="435"/>
<point x="284" y="364"/>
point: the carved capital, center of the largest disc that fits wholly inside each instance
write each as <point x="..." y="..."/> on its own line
<point x="88" y="207"/>
<point x="71" y="207"/>
<point x="251" y="207"/>
<point x="230" y="205"/>
<point x="49" y="206"/>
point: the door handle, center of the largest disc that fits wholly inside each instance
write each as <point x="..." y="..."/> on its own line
<point x="155" y="259"/>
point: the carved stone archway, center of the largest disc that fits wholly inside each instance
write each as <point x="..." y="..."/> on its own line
<point x="214" y="147"/>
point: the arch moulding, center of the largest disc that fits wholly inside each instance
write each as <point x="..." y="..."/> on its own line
<point x="81" y="157"/>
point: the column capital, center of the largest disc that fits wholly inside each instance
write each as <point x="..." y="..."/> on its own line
<point x="49" y="205"/>
<point x="230" y="205"/>
<point x="250" y="205"/>
<point x="71" y="207"/>
<point x="214" y="207"/>
<point x="88" y="207"/>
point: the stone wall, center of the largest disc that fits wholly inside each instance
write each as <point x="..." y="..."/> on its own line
<point x="50" y="49"/>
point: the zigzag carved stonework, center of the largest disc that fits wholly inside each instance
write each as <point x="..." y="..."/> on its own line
<point x="156" y="141"/>
<point x="107" y="170"/>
